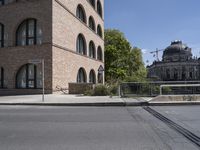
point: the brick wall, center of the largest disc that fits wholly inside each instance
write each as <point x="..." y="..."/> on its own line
<point x="79" y="88"/>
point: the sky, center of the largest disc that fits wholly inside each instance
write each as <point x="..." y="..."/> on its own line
<point x="152" y="24"/>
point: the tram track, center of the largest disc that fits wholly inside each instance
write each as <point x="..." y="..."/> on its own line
<point x="185" y="132"/>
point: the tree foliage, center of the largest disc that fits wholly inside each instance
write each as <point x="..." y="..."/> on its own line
<point x="122" y="62"/>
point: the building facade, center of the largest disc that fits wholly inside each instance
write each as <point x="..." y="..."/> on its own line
<point x="177" y="64"/>
<point x="67" y="34"/>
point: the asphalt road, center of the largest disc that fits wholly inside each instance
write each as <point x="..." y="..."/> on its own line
<point x="94" y="128"/>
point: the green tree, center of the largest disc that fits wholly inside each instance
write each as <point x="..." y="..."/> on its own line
<point x="136" y="70"/>
<point x="122" y="62"/>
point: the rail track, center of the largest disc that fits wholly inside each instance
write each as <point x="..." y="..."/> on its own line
<point x="186" y="133"/>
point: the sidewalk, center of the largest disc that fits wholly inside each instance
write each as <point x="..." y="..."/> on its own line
<point x="78" y="100"/>
<point x="67" y="100"/>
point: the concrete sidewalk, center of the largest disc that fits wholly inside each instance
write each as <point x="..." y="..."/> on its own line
<point x="79" y="100"/>
<point x="68" y="100"/>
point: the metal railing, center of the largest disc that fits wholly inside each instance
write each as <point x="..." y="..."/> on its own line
<point x="131" y="89"/>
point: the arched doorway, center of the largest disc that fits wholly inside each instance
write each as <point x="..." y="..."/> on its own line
<point x="29" y="76"/>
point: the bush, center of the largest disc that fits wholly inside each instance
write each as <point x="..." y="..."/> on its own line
<point x="88" y="93"/>
<point x="100" y="90"/>
<point x="113" y="89"/>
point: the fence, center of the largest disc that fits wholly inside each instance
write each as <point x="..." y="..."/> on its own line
<point x="152" y="89"/>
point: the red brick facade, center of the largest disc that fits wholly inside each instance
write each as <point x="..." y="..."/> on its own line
<point x="60" y="28"/>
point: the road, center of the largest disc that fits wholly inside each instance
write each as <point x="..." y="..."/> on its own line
<point x="95" y="128"/>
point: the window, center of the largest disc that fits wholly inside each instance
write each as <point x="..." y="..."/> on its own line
<point x="92" y="53"/>
<point x="99" y="31"/>
<point x="92" y="23"/>
<point x="81" y="77"/>
<point x="1" y="77"/>
<point x="92" y="2"/>
<point x="81" y="45"/>
<point x="92" y="77"/>
<point x="191" y="73"/>
<point x="168" y="74"/>
<point x="29" y="76"/>
<point x="99" y="8"/>
<point x="175" y="74"/>
<point x="1" y="35"/>
<point x="99" y="54"/>
<point x="80" y="13"/>
<point x="29" y="33"/>
<point x="4" y="2"/>
<point x="183" y="73"/>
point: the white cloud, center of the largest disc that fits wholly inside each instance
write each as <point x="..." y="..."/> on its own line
<point x="144" y="51"/>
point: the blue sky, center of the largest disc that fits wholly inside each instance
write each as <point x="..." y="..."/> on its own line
<point x="151" y="24"/>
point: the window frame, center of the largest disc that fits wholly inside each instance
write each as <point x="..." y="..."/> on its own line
<point x="99" y="31"/>
<point x="2" y="77"/>
<point x="99" y="8"/>
<point x="93" y="3"/>
<point x="26" y="23"/>
<point x="78" y="80"/>
<point x="92" y="24"/>
<point x="2" y="41"/>
<point x="94" y="50"/>
<point x="92" y="72"/>
<point x="78" y="45"/>
<point x="99" y="57"/>
<point x="28" y="79"/>
<point x="80" y="9"/>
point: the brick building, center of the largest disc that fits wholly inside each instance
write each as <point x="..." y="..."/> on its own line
<point x="67" y="34"/>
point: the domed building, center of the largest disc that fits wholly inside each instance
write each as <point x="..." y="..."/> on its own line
<point x="177" y="64"/>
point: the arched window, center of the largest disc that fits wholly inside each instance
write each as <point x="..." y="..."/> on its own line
<point x="81" y="76"/>
<point x="92" y="77"/>
<point x="99" y="8"/>
<point x="1" y="77"/>
<point x="29" y="33"/>
<point x="81" y="45"/>
<point x="99" y="31"/>
<point x="92" y="2"/>
<point x="80" y="13"/>
<point x="1" y="35"/>
<point x="29" y="76"/>
<point x="92" y="23"/>
<point x="92" y="50"/>
<point x="99" y="54"/>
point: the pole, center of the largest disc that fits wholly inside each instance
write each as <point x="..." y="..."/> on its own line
<point x="42" y="80"/>
<point x="160" y="89"/>
<point x="119" y="90"/>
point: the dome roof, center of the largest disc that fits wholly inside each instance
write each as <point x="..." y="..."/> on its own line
<point x="177" y="48"/>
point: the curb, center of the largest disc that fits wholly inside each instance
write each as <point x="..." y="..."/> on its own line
<point x="173" y="103"/>
<point x="115" y="104"/>
<point x="106" y="104"/>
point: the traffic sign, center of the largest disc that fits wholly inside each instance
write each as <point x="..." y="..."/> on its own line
<point x="35" y="61"/>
